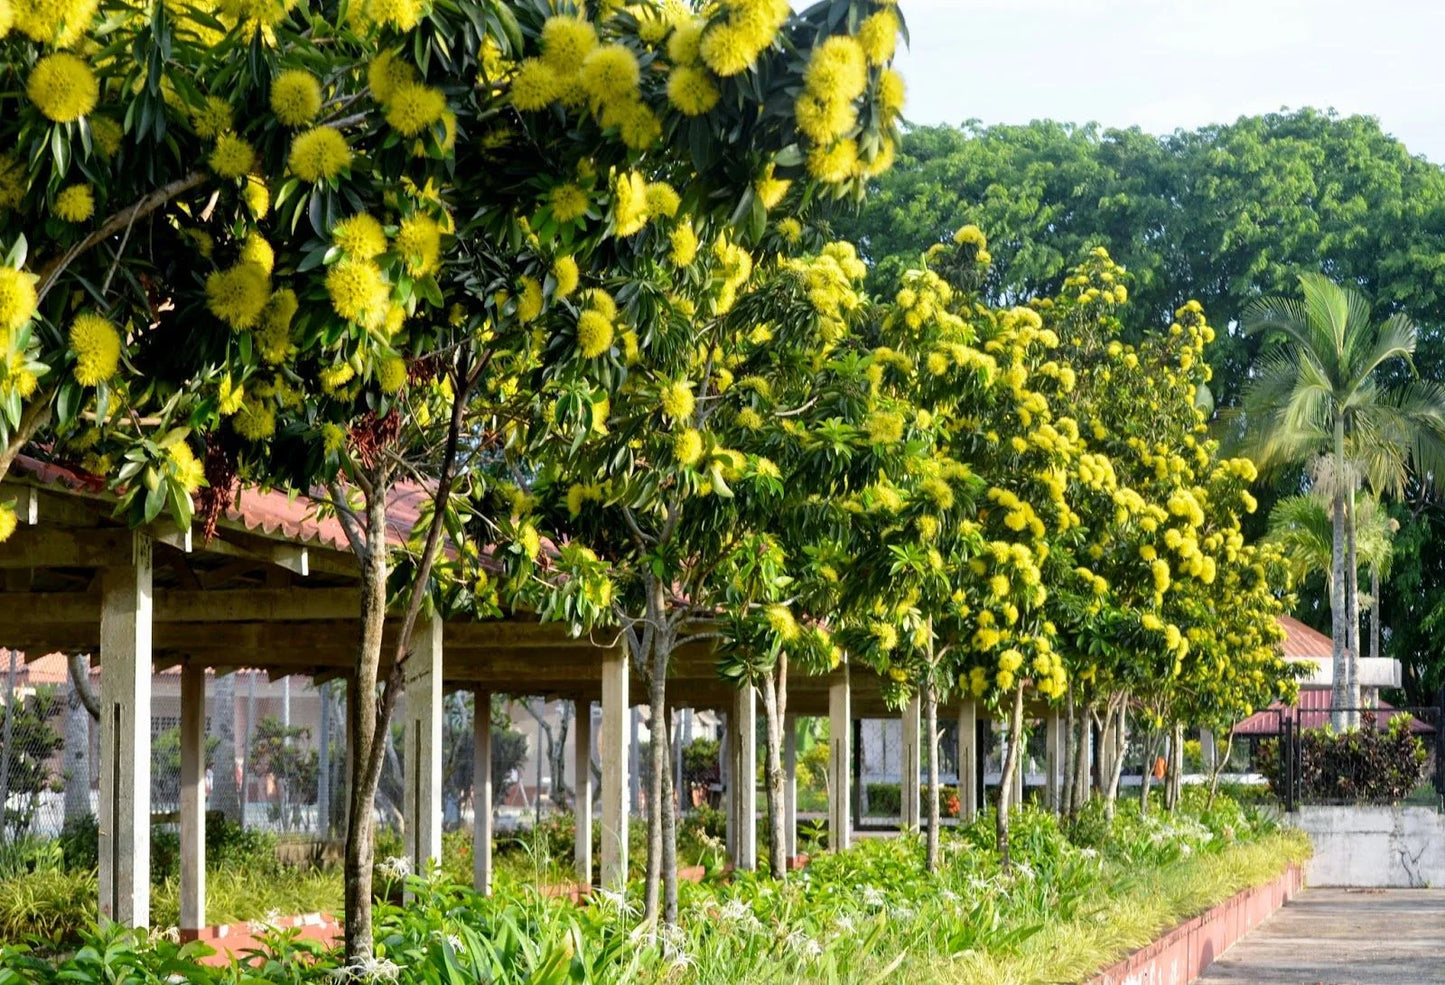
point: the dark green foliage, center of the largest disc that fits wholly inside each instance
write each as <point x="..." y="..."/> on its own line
<point x="1368" y="765"/>
<point x="27" y="764"/>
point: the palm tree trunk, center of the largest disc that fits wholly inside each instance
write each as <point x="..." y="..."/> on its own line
<point x="1352" y="566"/>
<point x="1339" y="696"/>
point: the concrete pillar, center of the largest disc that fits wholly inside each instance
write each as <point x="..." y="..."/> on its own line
<point x="967" y="759"/>
<point x="423" y="771"/>
<point x="614" y="749"/>
<point x="125" y="740"/>
<point x="790" y="786"/>
<point x="1054" y="760"/>
<point x="910" y="810"/>
<point x="582" y="786"/>
<point x="1208" y="750"/>
<point x="725" y="777"/>
<point x="193" y="796"/>
<point x="743" y="723"/>
<point x="482" y="791"/>
<point x="840" y="765"/>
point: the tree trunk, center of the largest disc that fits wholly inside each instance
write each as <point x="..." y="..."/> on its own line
<point x="1352" y="565"/>
<point x="668" y="807"/>
<point x="225" y="794"/>
<point x="1113" y="741"/>
<point x="362" y="728"/>
<point x="1374" y="613"/>
<point x="1219" y="765"/>
<point x="1147" y="774"/>
<point x="1011" y="763"/>
<point x="78" y="716"/>
<point x="1174" y="777"/>
<point x="1339" y="621"/>
<point x="930" y="730"/>
<point x="1082" y="761"/>
<point x="1071" y="745"/>
<point x="774" y="708"/>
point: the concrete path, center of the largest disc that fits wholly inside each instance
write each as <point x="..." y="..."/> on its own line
<point x="1343" y="937"/>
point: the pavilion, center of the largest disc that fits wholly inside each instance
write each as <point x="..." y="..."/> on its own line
<point x="276" y="589"/>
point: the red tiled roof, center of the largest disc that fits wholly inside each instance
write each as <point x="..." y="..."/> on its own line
<point x="1313" y="711"/>
<point x="269" y="513"/>
<point x="1301" y="642"/>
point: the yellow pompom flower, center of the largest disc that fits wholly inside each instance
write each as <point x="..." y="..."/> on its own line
<point x="594" y="334"/>
<point x="96" y="344"/>
<point x="75" y="204"/>
<point x="212" y="118"/>
<point x="232" y="157"/>
<point x="359" y="236"/>
<point x="256" y="197"/>
<point x="687" y="447"/>
<point x="835" y="164"/>
<point x="400" y="14"/>
<point x="837" y="69"/>
<point x="891" y="93"/>
<point x="884" y="427"/>
<point x="62" y="87"/>
<point x="566" y="41"/>
<point x="17" y="299"/>
<point x="359" y="292"/>
<point x="691" y="90"/>
<point x="878" y="36"/>
<point x="254" y="421"/>
<point x="255" y="249"/>
<point x="529" y="303"/>
<point x="189" y="472"/>
<point x="677" y="400"/>
<point x="413" y="108"/>
<point x="566" y="275"/>
<point x="610" y="74"/>
<point x="319" y="154"/>
<point x="55" y="22"/>
<point x="683" y="47"/>
<point x="630" y="207"/>
<point x="791" y="230"/>
<point x="418" y="241"/>
<point x="8" y="522"/>
<point x="662" y="199"/>
<point x="273" y="333"/>
<point x="684" y="244"/>
<point x="385" y="73"/>
<point x="295" y="97"/>
<point x="535" y="85"/>
<point x="567" y="202"/>
<point x="238" y="295"/>
<point x="391" y="374"/>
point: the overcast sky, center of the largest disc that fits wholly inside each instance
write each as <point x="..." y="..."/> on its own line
<point x="1166" y="64"/>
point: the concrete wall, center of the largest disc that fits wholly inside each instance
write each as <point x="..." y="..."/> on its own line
<point x="1399" y="847"/>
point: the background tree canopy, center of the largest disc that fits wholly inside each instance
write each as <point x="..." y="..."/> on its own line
<point x="1223" y="214"/>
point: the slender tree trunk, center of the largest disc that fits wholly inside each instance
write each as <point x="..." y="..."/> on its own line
<point x="1339" y="620"/>
<point x="657" y="762"/>
<point x="668" y="807"/>
<point x="1219" y="765"/>
<point x="930" y="728"/>
<point x="1352" y="565"/>
<point x="1113" y="741"/>
<point x="81" y="709"/>
<point x="1011" y="764"/>
<point x="774" y="690"/>
<point x="1147" y="774"/>
<point x="1081" y="772"/>
<point x="362" y="726"/>
<point x="1071" y="745"/>
<point x="1174" y="777"/>
<point x="1374" y="612"/>
<point x="224" y="794"/>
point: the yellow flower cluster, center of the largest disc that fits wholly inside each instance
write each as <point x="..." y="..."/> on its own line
<point x="359" y="292"/>
<point x="319" y="154"/>
<point x="295" y="97"/>
<point x="238" y="294"/>
<point x="63" y="87"/>
<point x="61" y="23"/>
<point x="75" y="203"/>
<point x="636" y="201"/>
<point x="732" y="43"/>
<point x="96" y="343"/>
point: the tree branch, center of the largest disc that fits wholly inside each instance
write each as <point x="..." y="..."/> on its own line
<point x="80" y="680"/>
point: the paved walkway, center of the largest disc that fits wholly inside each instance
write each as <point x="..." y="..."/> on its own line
<point x="1343" y="937"/>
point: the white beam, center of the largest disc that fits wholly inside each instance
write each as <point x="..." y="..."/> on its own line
<point x="743" y="723"/>
<point x="193" y="797"/>
<point x="125" y="739"/>
<point x="424" y="745"/>
<point x="582" y="787"/>
<point x="614" y="747"/>
<point x="840" y="763"/>
<point x="908" y="768"/>
<point x="482" y="792"/>
<point x="967" y="759"/>
<point x="790" y="786"/>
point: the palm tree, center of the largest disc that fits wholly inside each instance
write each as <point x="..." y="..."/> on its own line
<point x="1338" y="382"/>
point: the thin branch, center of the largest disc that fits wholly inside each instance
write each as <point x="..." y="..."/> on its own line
<point x="350" y="522"/>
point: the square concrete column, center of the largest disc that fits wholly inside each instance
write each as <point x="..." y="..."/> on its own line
<point x="1208" y="750"/>
<point x="967" y="759"/>
<point x="1054" y="739"/>
<point x="582" y="786"/>
<point x="482" y="791"/>
<point x="840" y="761"/>
<point x="423" y="771"/>
<point x="910" y="810"/>
<point x="613" y="750"/>
<point x="193" y="796"/>
<point x="790" y="786"/>
<point x="725" y="764"/>
<point x="743" y="744"/>
<point x="125" y="740"/>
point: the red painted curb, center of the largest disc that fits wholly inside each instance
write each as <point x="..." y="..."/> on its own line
<point x="1183" y="954"/>
<point x="235" y="939"/>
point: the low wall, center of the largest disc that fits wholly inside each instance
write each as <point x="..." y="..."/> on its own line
<point x="235" y="939"/>
<point x="1394" y="847"/>
<point x="1183" y="954"/>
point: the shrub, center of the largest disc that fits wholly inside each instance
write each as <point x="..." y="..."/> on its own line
<point x="80" y="844"/>
<point x="1368" y="765"/>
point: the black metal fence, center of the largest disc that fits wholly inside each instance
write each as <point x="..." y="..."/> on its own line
<point x="1364" y="755"/>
